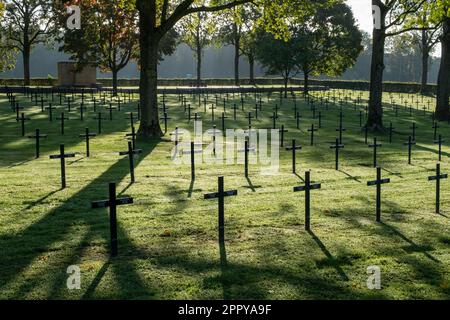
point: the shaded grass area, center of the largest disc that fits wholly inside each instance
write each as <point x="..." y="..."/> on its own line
<point x="168" y="240"/>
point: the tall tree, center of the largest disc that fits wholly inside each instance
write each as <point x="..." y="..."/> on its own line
<point x="158" y="17"/>
<point x="197" y="32"/>
<point x="7" y="55"/>
<point x="427" y="42"/>
<point x="389" y="16"/>
<point x="27" y="23"/>
<point x="327" y="43"/>
<point x="440" y="13"/>
<point x="238" y="28"/>
<point x="279" y="56"/>
<point x="108" y="37"/>
<point x="330" y="41"/>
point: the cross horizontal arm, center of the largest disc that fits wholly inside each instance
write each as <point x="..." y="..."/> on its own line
<point x="377" y="182"/>
<point x="217" y="194"/>
<point x="311" y="187"/>
<point x="442" y="176"/>
<point x="59" y="156"/>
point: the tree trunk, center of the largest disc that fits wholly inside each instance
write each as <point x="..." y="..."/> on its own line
<point x="442" y="107"/>
<point x="286" y="82"/>
<point x="237" y="46"/>
<point x="148" y="87"/>
<point x="425" y="58"/>
<point x="306" y="85"/>
<point x="199" y="65"/>
<point x="114" y="75"/>
<point x="251" y="62"/>
<point x="26" y="65"/>
<point x="375" y="116"/>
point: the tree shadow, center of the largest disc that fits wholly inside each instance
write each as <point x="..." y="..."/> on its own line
<point x="350" y="176"/>
<point x="31" y="242"/>
<point x="330" y="259"/>
<point x="32" y="204"/>
<point x="413" y="246"/>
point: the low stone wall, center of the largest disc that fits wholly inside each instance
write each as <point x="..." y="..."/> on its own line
<point x="405" y="87"/>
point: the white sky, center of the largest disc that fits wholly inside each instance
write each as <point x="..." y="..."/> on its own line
<point x="362" y="10"/>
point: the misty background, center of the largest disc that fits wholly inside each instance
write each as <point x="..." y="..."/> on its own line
<point x="218" y="63"/>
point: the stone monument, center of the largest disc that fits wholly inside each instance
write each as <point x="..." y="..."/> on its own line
<point x="68" y="76"/>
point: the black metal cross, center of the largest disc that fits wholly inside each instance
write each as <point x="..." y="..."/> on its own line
<point x="133" y="136"/>
<point x="165" y="118"/>
<point x="111" y="108"/>
<point x="82" y="108"/>
<point x="222" y="119"/>
<point x="37" y="136"/>
<point x="294" y="149"/>
<point x="99" y="118"/>
<point x="220" y="195"/>
<point x="282" y="131"/>
<point x="62" y="119"/>
<point x="378" y="182"/>
<point x="62" y="156"/>
<point x="337" y="146"/>
<point x="22" y="120"/>
<point x="50" y="111"/>
<point x="130" y="153"/>
<point x="274" y="118"/>
<point x="307" y="188"/>
<point x="410" y="143"/>
<point x="297" y="118"/>
<point x="87" y="135"/>
<point x="438" y="178"/>
<point x="131" y="117"/>
<point x="112" y="203"/>
<point x="340" y="129"/>
<point x="391" y="131"/>
<point x="17" y="108"/>
<point x="312" y="130"/>
<point x="212" y="108"/>
<point x="375" y="146"/>
<point x="435" y="127"/>
<point x="439" y="142"/>
<point x="414" y="128"/>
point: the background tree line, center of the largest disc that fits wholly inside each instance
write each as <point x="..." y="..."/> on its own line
<point x="287" y="37"/>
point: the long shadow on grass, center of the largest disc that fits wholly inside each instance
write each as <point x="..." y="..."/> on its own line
<point x="18" y="150"/>
<point x="330" y="260"/>
<point x="22" y="249"/>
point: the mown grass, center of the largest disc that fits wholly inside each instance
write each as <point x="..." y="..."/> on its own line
<point x="168" y="246"/>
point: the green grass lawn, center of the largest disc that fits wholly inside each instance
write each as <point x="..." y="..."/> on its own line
<point x="168" y="243"/>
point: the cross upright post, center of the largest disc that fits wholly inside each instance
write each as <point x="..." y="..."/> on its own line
<point x="130" y="153"/>
<point x="294" y="149"/>
<point x="37" y="136"/>
<point x="87" y="136"/>
<point x="22" y="120"/>
<point x="337" y="146"/>
<point x="438" y="177"/>
<point x="312" y="130"/>
<point x="112" y="203"/>
<point x="375" y="146"/>
<point x="439" y="142"/>
<point x="378" y="182"/>
<point x="220" y="195"/>
<point x="410" y="143"/>
<point x="62" y="156"/>
<point x="307" y="188"/>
